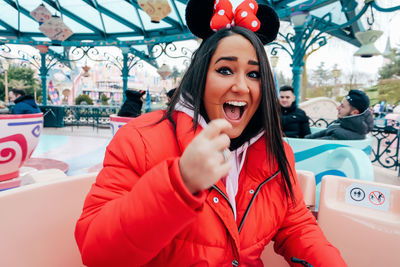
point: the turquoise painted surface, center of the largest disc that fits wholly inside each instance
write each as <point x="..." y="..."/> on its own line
<point x="48" y="143"/>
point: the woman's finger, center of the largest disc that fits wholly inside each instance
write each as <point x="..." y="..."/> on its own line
<point x="215" y="128"/>
<point x="221" y="142"/>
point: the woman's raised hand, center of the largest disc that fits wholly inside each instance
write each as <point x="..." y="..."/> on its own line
<point x="203" y="162"/>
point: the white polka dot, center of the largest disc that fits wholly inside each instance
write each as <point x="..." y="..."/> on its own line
<point x="215" y="7"/>
<point x="217" y="2"/>
<point x="228" y="26"/>
<point x="251" y="5"/>
<point x="254" y="23"/>
<point x="221" y="12"/>
<point x="244" y="14"/>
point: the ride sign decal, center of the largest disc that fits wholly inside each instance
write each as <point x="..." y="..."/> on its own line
<point x="368" y="196"/>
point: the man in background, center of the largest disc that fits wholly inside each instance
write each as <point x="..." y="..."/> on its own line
<point x="294" y="120"/>
<point x="170" y="94"/>
<point x="24" y="104"/>
<point x="354" y="119"/>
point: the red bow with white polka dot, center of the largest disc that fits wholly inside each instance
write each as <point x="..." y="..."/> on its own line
<point x="244" y="15"/>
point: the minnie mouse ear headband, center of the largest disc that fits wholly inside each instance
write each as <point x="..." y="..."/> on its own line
<point x="204" y="17"/>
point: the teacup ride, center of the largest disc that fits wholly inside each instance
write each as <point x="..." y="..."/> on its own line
<point x="117" y="122"/>
<point x="19" y="136"/>
<point x="351" y="219"/>
<point x="345" y="158"/>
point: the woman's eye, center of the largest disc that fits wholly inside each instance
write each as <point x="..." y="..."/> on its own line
<point x="254" y="74"/>
<point x="224" y="71"/>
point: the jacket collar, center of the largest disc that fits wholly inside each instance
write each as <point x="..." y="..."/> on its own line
<point x="289" y="109"/>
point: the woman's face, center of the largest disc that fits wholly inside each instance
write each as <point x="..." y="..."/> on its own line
<point x="233" y="85"/>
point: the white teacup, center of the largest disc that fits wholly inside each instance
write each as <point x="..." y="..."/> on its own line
<point x="19" y="136"/>
<point x="117" y="122"/>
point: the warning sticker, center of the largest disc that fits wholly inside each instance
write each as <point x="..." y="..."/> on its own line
<point x="368" y="196"/>
<point x="377" y="198"/>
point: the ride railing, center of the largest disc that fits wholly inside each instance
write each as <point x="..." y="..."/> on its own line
<point x="386" y="133"/>
<point x="78" y="115"/>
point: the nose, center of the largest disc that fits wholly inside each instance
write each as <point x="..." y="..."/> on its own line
<point x="240" y="84"/>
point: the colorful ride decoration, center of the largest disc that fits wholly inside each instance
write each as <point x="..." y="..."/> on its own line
<point x="346" y="158"/>
<point x="55" y="98"/>
<point x="117" y="122"/>
<point x="19" y="137"/>
<point x="156" y="9"/>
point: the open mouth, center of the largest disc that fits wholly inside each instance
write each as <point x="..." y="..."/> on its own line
<point x="234" y="109"/>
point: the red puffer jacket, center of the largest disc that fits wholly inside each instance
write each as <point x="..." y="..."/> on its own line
<point x="139" y="212"/>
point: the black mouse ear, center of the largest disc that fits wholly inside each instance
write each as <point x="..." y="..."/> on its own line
<point x="269" y="21"/>
<point x="198" y="17"/>
<point x="199" y="14"/>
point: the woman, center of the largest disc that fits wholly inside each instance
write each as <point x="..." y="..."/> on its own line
<point x="171" y="194"/>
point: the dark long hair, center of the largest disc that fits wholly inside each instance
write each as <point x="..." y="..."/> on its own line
<point x="265" y="118"/>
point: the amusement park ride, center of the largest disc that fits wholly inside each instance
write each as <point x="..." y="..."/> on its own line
<point x="358" y="215"/>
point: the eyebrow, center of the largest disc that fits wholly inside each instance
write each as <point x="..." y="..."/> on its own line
<point x="250" y="62"/>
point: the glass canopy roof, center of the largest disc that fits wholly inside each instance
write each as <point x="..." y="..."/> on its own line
<point x="124" y="23"/>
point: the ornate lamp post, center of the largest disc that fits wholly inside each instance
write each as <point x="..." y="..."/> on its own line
<point x="274" y="62"/>
<point x="336" y="74"/>
<point x="5" y="66"/>
<point x="43" y="49"/>
<point x="303" y="38"/>
<point x="298" y="19"/>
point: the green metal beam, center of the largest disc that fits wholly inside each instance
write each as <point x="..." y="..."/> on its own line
<point x="74" y="17"/>
<point x="168" y="20"/>
<point x="140" y="19"/>
<point x="9" y="27"/>
<point x="285" y="13"/>
<point x="178" y="15"/>
<point x="19" y="9"/>
<point x="144" y="57"/>
<point x="152" y="40"/>
<point x="93" y="3"/>
<point x="118" y="18"/>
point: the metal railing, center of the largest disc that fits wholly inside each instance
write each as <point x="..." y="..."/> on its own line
<point x="386" y="133"/>
<point x="78" y="115"/>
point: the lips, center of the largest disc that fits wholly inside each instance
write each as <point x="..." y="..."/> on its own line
<point x="234" y="109"/>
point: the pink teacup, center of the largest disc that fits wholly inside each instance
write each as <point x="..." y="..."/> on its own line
<point x="19" y="137"/>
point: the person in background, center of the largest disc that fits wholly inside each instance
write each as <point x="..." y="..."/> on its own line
<point x="209" y="181"/>
<point x="132" y="106"/>
<point x="294" y="120"/>
<point x="354" y="121"/>
<point x="24" y="104"/>
<point x="170" y="94"/>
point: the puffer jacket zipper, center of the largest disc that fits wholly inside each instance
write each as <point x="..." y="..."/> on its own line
<point x="254" y="196"/>
<point x="251" y="201"/>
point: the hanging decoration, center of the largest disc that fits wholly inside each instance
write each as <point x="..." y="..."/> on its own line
<point x="41" y="14"/>
<point x="165" y="71"/>
<point x="156" y="9"/>
<point x="86" y="69"/>
<point x="367" y="40"/>
<point x="51" y="26"/>
<point x="55" y="29"/>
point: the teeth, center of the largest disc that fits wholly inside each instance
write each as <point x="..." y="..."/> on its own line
<point x="236" y="103"/>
